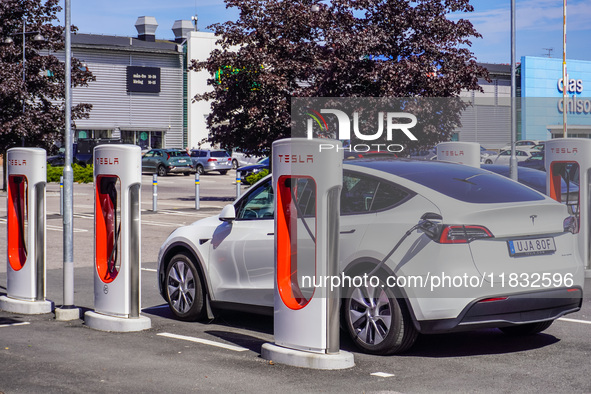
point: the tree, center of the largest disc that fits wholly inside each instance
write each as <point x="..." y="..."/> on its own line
<point x="279" y="49"/>
<point x="32" y="111"/>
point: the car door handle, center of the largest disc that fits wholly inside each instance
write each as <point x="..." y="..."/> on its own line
<point x="270" y="233"/>
<point x="348" y="231"/>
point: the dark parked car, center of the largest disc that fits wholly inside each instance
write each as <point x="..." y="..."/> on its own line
<point x="536" y="160"/>
<point x="167" y="161"/>
<point x="261" y="165"/>
<point x="531" y="177"/>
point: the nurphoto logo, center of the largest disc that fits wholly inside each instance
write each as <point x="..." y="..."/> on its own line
<point x="395" y="123"/>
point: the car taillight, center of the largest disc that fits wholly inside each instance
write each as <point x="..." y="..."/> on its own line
<point x="212" y="159"/>
<point x="167" y="156"/>
<point x="463" y="234"/>
<point x="570" y="224"/>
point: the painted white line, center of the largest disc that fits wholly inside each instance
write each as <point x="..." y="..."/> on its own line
<point x="149" y="269"/>
<point x="382" y="374"/>
<point x="14" y="324"/>
<point x="574" y="320"/>
<point x="203" y="341"/>
<point x="61" y="228"/>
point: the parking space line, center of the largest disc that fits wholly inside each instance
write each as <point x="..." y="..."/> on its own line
<point x="574" y="320"/>
<point x="149" y="269"/>
<point x="203" y="341"/>
<point x="382" y="374"/>
<point x="14" y="324"/>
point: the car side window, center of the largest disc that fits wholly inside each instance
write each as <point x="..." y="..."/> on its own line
<point x="259" y="204"/>
<point x="158" y="154"/>
<point x="149" y="154"/>
<point x="364" y="194"/>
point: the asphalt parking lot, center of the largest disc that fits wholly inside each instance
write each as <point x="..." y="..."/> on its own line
<point x="40" y="354"/>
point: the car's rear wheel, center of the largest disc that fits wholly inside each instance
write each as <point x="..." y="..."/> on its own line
<point x="377" y="321"/>
<point x="161" y="171"/>
<point x="223" y="172"/>
<point x="200" y="170"/>
<point x="184" y="289"/>
<point x="527" y="329"/>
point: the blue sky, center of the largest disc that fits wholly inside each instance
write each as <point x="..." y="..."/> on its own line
<point x="539" y="23"/>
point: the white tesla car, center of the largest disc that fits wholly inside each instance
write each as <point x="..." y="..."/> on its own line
<point x="475" y="249"/>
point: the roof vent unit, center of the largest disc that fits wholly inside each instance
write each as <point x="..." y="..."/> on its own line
<point x="181" y="29"/>
<point x="146" y="28"/>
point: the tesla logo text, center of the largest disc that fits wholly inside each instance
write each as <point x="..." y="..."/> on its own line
<point x="533" y="219"/>
<point x="565" y="150"/>
<point x="107" y="160"/>
<point x="17" y="162"/>
<point x="344" y="131"/>
<point x="296" y="158"/>
<point x="451" y="153"/>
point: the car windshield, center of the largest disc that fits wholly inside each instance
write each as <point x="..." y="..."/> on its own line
<point x="219" y="153"/>
<point x="263" y="161"/>
<point x="463" y="183"/>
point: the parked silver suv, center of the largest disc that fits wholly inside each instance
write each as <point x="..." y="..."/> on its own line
<point x="206" y="160"/>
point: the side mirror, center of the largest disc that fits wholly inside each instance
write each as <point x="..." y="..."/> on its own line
<point x="228" y="213"/>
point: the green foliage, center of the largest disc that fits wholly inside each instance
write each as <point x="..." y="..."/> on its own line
<point x="81" y="174"/>
<point x="279" y="49"/>
<point x="254" y="178"/>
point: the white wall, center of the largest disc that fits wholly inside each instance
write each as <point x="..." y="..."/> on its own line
<point x="199" y="46"/>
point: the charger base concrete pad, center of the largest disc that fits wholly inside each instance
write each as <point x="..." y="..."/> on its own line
<point x="102" y="322"/>
<point x="67" y="314"/>
<point x="25" y="307"/>
<point x="299" y="358"/>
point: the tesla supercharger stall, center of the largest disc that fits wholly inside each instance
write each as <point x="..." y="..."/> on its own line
<point x="117" y="257"/>
<point x="568" y="169"/>
<point x="27" y="176"/>
<point x="467" y="153"/>
<point x="307" y="183"/>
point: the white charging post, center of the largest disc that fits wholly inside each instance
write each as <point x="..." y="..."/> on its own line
<point x="27" y="176"/>
<point x="467" y="153"/>
<point x="568" y="167"/>
<point x="117" y="257"/>
<point x="307" y="182"/>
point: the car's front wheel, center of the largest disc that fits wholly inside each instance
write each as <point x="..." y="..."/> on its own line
<point x="488" y="161"/>
<point x="184" y="289"/>
<point x="234" y="164"/>
<point x="377" y="321"/>
<point x="527" y="329"/>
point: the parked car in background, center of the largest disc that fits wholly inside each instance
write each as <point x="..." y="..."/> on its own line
<point x="426" y="154"/>
<point x="207" y="160"/>
<point x="167" y="161"/>
<point x="487" y="156"/>
<point x="536" y="160"/>
<point x="446" y="219"/>
<point x="504" y="158"/>
<point x="523" y="144"/>
<point x="533" y="178"/>
<point x="241" y="158"/>
<point x="262" y="164"/>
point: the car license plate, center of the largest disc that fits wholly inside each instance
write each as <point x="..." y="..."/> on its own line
<point x="182" y="161"/>
<point x="528" y="247"/>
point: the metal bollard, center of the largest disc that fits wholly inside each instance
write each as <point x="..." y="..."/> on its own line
<point x="61" y="196"/>
<point x="197" y="190"/>
<point x="238" y="183"/>
<point x="155" y="192"/>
